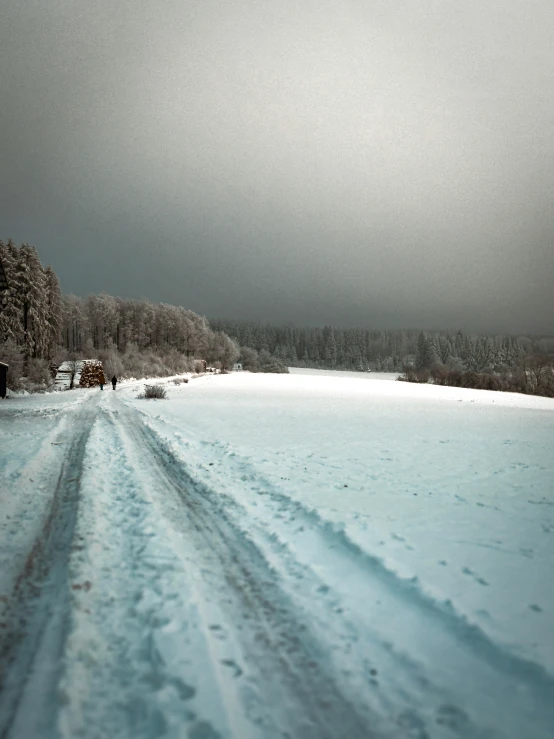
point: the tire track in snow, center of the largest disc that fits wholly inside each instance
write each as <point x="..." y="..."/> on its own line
<point x="129" y="647"/>
<point x="288" y="688"/>
<point x="436" y="668"/>
<point x="35" y="623"/>
<point x="448" y="662"/>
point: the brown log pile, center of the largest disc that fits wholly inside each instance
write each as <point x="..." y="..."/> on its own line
<point x="92" y="373"/>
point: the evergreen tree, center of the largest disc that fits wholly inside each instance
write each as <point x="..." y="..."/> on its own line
<point x="427" y="351"/>
<point x="31" y="286"/>
<point x="11" y="315"/>
<point x="421" y="359"/>
<point x="54" y="310"/>
<point x="329" y="346"/>
<point x="75" y="329"/>
<point x="445" y="348"/>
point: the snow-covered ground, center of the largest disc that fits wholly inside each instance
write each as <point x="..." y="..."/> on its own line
<point x="308" y="555"/>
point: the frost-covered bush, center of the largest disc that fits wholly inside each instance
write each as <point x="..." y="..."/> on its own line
<point x="267" y="363"/>
<point x="38" y="372"/>
<point x="249" y="359"/>
<point x="262" y="362"/>
<point x="153" y="362"/>
<point x="133" y="361"/>
<point x="12" y="355"/>
<point x="111" y="361"/>
<point x="252" y="361"/>
<point x="274" y="366"/>
<point x="156" y="392"/>
<point x="536" y="377"/>
<point x="415" y="375"/>
<point x="176" y="362"/>
<point x="33" y="376"/>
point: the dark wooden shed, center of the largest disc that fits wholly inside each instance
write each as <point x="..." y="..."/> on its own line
<point x="3" y="379"/>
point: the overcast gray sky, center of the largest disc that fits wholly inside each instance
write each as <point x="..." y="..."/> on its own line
<point x="365" y="162"/>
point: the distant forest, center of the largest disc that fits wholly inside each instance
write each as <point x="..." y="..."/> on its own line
<point x="385" y="351"/>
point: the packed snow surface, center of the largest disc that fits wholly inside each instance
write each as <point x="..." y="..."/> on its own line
<point x="312" y="555"/>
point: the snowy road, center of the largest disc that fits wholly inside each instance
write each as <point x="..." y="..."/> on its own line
<point x="148" y="604"/>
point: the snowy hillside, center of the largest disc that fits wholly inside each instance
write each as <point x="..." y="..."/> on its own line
<point x="306" y="555"/>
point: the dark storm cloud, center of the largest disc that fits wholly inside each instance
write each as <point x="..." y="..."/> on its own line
<point x="359" y="163"/>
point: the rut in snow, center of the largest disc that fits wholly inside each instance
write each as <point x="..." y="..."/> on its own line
<point x="287" y="689"/>
<point x="37" y="611"/>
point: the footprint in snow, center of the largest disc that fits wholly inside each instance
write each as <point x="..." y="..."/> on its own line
<point x="186" y="692"/>
<point x="86" y="586"/>
<point x="237" y="671"/>
<point x="472" y="574"/>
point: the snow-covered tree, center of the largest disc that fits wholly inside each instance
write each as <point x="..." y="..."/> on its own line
<point x="11" y="315"/>
<point x="222" y="349"/>
<point x="30" y="284"/>
<point x="54" y="311"/>
<point x="427" y="352"/>
<point x="329" y="346"/>
<point x="103" y="314"/>
<point x="249" y="358"/>
<point x="75" y="330"/>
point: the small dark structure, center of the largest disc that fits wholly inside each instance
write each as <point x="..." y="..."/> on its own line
<point x="3" y="280"/>
<point x="3" y="379"/>
<point x="3" y="367"/>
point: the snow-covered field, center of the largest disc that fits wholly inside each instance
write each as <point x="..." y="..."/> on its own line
<point x="317" y="554"/>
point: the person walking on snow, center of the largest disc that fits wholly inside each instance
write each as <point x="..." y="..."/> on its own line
<point x="114" y="381"/>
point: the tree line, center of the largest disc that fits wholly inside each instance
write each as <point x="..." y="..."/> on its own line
<point x="385" y="351"/>
<point x="40" y="328"/>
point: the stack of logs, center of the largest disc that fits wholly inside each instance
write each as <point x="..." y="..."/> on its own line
<point x="92" y="373"/>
